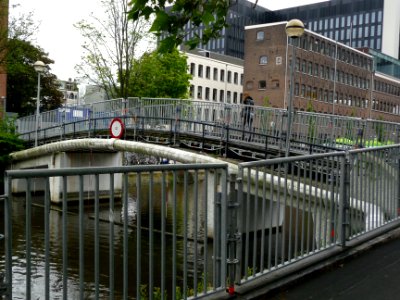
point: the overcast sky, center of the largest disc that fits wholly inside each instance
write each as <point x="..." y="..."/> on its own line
<point x="62" y="41"/>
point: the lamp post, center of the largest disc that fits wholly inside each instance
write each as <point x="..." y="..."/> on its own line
<point x="40" y="68"/>
<point x="294" y="30"/>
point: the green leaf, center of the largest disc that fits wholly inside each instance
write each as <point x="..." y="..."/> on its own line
<point x="161" y="22"/>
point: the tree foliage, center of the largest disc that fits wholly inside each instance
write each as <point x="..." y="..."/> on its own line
<point x="210" y="14"/>
<point x="9" y="142"/>
<point x="19" y="55"/>
<point x="109" y="48"/>
<point x="22" y="79"/>
<point x="160" y="75"/>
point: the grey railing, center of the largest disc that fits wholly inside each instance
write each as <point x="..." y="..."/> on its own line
<point x="269" y="125"/>
<point x="293" y="209"/>
<point x="193" y="230"/>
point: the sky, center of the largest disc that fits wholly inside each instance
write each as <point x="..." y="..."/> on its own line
<point x="58" y="37"/>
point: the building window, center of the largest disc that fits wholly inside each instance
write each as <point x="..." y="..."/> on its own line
<point x="308" y="92"/>
<point x="199" y="92"/>
<point x="249" y="85"/>
<point x="229" y="76"/>
<point x="207" y="95"/>
<point x="262" y="85"/>
<point x="296" y="89"/>
<point x="235" y="97"/>
<point x="192" y="69"/>
<point x="222" y="75"/>
<point x="260" y="35"/>
<point x="235" y="78"/>
<point x="221" y="95"/>
<point x="275" y="83"/>
<point x="214" y="95"/>
<point x="303" y="66"/>
<point x="200" y="71"/>
<point x="310" y="68"/>
<point x="208" y="71"/>
<point x="191" y="91"/>
<point x="228" y="96"/>
<point x="263" y="60"/>
<point x="215" y="74"/>
<point x="297" y="66"/>
<point x="303" y="90"/>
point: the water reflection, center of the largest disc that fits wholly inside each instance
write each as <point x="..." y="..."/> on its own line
<point x="198" y="250"/>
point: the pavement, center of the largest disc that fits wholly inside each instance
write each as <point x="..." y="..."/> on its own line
<point x="370" y="274"/>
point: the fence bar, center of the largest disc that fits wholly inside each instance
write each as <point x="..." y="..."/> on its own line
<point x="47" y="238"/>
<point x="81" y="239"/>
<point x="138" y="235"/>
<point x="151" y="236"/>
<point x="65" y="237"/>
<point x="28" y="236"/>
<point x="125" y="236"/>
<point x="96" y="236"/>
<point x="111" y="238"/>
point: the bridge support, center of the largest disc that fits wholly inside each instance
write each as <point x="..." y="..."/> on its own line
<point x="59" y="160"/>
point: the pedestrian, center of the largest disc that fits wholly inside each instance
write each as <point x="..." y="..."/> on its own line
<point x="248" y="114"/>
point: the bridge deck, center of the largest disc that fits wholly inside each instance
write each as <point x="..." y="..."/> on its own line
<point x="373" y="274"/>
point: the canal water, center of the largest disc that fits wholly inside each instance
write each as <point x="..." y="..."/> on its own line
<point x="199" y="248"/>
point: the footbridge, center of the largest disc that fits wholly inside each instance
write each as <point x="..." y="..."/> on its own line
<point x="225" y="227"/>
<point x="212" y="127"/>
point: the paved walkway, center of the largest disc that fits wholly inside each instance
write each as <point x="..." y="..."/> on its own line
<point x="370" y="275"/>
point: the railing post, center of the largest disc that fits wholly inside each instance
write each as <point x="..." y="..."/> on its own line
<point x="398" y="188"/>
<point x="233" y="235"/>
<point x="8" y="236"/>
<point x="344" y="199"/>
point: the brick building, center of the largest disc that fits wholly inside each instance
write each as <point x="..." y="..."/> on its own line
<point x="3" y="39"/>
<point x="329" y="77"/>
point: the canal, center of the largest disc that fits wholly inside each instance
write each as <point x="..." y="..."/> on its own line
<point x="181" y="237"/>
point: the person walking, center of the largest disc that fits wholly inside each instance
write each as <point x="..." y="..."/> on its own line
<point x="248" y="114"/>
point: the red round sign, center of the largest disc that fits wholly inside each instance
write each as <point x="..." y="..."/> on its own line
<point x="117" y="128"/>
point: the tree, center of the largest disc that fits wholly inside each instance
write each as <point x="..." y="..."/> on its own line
<point x="9" y="142"/>
<point x="22" y="79"/>
<point x="110" y="46"/>
<point x="211" y="14"/>
<point x="160" y="75"/>
<point x="18" y="57"/>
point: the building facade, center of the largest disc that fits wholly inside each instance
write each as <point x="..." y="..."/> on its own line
<point x="231" y="40"/>
<point x="357" y="23"/>
<point x="215" y="77"/>
<point x="329" y="77"/>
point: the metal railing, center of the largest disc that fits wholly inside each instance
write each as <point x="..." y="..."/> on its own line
<point x="195" y="230"/>
<point x="294" y="208"/>
<point x="268" y="125"/>
<point x="144" y="248"/>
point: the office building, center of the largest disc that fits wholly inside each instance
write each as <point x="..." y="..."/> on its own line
<point x="330" y="77"/>
<point x="357" y="23"/>
<point x="231" y="40"/>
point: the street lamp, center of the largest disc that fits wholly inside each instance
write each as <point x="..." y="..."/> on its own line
<point x="294" y="30"/>
<point x="40" y="68"/>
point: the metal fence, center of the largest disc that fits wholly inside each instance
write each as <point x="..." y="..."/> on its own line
<point x="294" y="208"/>
<point x="268" y="125"/>
<point x="193" y="230"/>
<point x="166" y="234"/>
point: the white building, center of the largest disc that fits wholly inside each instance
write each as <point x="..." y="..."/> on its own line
<point x="69" y="89"/>
<point x="215" y="77"/>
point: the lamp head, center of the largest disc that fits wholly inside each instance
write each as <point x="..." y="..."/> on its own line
<point x="40" y="67"/>
<point x="294" y="28"/>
